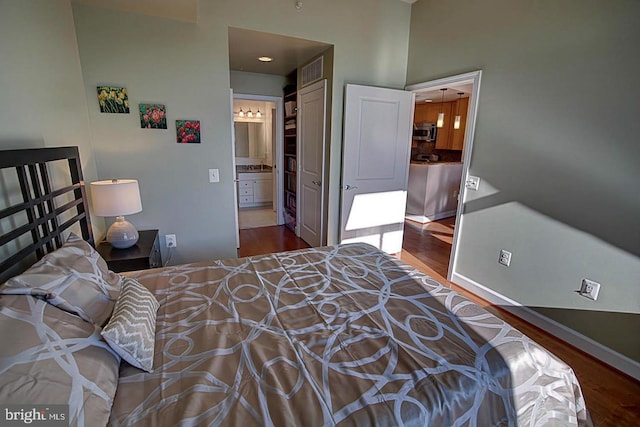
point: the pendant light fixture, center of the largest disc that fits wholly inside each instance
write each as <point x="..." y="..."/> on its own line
<point x="241" y="113"/>
<point x="249" y="113"/>
<point x="258" y="114"/>
<point x="456" y="122"/>
<point x="440" y="122"/>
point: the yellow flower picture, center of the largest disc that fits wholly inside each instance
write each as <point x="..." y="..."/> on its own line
<point x="113" y="99"/>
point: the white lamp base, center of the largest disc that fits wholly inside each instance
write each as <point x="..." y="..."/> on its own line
<point x="122" y="234"/>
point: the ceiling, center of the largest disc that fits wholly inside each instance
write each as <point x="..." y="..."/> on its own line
<point x="451" y="94"/>
<point x="245" y="46"/>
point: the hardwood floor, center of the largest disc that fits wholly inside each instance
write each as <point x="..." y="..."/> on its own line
<point x="264" y="240"/>
<point x="430" y="243"/>
<point x="613" y="398"/>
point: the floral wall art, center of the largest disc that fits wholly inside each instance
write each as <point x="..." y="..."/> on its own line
<point x="113" y="99"/>
<point x="188" y="131"/>
<point x="153" y="116"/>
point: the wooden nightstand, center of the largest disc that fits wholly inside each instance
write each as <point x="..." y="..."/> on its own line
<point x="144" y="254"/>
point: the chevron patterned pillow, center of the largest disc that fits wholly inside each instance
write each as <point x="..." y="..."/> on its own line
<point x="132" y="328"/>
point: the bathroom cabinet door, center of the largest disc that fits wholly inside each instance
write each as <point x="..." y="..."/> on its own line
<point x="263" y="191"/>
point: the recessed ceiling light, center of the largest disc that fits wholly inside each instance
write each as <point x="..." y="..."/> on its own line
<point x="265" y="59"/>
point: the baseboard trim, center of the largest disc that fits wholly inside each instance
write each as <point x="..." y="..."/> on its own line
<point x="422" y="219"/>
<point x="584" y="343"/>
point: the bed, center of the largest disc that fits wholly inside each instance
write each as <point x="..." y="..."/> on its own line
<point x="336" y="335"/>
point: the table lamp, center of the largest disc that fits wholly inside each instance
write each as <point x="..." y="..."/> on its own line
<point x="117" y="197"/>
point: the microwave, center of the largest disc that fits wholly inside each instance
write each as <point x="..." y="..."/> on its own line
<point x="425" y="132"/>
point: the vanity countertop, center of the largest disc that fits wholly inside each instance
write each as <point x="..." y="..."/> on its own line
<point x="426" y="163"/>
<point x="253" y="168"/>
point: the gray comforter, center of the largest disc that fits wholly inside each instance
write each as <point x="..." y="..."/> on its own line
<point x="343" y="335"/>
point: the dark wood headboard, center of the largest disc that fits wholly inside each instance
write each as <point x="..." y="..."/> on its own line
<point x="33" y="219"/>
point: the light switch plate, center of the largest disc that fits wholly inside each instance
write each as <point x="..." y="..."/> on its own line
<point x="214" y="175"/>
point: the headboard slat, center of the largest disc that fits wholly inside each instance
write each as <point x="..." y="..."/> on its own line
<point x="46" y="224"/>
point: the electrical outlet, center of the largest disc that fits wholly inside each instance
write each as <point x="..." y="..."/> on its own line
<point x="170" y="240"/>
<point x="504" y="258"/>
<point x="214" y="175"/>
<point x="472" y="183"/>
<point x="589" y="289"/>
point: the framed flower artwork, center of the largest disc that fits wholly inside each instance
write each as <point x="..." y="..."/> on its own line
<point x="188" y="131"/>
<point x="153" y="116"/>
<point x="113" y="99"/>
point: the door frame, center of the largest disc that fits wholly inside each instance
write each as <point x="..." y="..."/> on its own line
<point x="474" y="78"/>
<point x="235" y="174"/>
<point x="278" y="155"/>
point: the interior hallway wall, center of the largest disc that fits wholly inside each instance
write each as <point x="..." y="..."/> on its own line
<point x="556" y="148"/>
<point x="186" y="66"/>
<point x="44" y="102"/>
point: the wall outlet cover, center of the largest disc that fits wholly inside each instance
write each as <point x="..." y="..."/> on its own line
<point x="589" y="289"/>
<point x="504" y="258"/>
<point x="472" y="183"/>
<point x="170" y="240"/>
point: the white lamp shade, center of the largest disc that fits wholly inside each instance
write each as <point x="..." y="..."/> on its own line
<point x="456" y="122"/>
<point x="115" y="197"/>
<point x="440" y="122"/>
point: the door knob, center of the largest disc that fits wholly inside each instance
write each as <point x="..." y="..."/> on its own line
<point x="318" y="183"/>
<point x="349" y="187"/>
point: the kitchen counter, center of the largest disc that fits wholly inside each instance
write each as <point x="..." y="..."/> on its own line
<point x="433" y="190"/>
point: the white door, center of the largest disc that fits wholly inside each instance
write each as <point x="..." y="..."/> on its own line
<point x="235" y="175"/>
<point x="375" y="165"/>
<point x="311" y="143"/>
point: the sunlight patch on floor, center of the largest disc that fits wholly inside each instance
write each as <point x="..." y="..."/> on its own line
<point x="256" y="217"/>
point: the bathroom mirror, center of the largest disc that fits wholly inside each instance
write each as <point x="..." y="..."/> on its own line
<point x="250" y="140"/>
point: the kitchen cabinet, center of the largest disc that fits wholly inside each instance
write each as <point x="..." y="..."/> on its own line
<point x="461" y="106"/>
<point x="444" y="133"/>
<point x="254" y="189"/>
<point x="448" y="138"/>
<point x="433" y="191"/>
<point x="429" y="113"/>
<point x="420" y="113"/>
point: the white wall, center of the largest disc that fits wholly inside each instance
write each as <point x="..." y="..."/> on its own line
<point x="257" y="84"/>
<point x="186" y="67"/>
<point x="556" y="148"/>
<point x="44" y="103"/>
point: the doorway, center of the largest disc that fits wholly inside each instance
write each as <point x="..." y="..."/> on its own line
<point x="265" y="64"/>
<point x="258" y="135"/>
<point x="434" y="223"/>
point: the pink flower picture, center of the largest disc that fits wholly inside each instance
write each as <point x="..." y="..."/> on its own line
<point x="188" y="131"/>
<point x="153" y="116"/>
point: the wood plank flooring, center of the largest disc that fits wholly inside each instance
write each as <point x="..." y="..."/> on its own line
<point x="613" y="398"/>
<point x="264" y="240"/>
